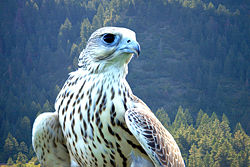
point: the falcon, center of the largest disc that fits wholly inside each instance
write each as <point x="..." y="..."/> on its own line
<point x="97" y="119"/>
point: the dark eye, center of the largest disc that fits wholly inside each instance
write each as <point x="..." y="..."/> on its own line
<point x="109" y="38"/>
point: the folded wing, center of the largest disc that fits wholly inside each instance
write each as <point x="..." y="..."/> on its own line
<point x="48" y="141"/>
<point x="158" y="143"/>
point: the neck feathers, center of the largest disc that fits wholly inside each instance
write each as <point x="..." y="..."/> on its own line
<point x="102" y="66"/>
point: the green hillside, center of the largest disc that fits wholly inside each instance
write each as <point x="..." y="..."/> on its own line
<point x="195" y="54"/>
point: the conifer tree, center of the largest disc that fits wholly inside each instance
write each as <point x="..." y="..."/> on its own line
<point x="180" y="119"/>
<point x="162" y="115"/>
<point x="194" y="157"/>
<point x="198" y="119"/>
<point x="21" y="158"/>
<point x="84" y="33"/>
<point x="64" y="36"/>
<point x="11" y="145"/>
<point x="10" y="161"/>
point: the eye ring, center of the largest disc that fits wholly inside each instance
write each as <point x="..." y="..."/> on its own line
<point x="109" y="38"/>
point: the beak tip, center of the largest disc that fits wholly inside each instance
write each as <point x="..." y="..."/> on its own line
<point x="138" y="49"/>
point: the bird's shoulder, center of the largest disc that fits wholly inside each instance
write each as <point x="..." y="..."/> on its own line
<point x="71" y="85"/>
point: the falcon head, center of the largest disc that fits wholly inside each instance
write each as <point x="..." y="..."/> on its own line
<point x="109" y="47"/>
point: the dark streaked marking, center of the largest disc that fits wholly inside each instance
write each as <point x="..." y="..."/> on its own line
<point x="84" y="125"/>
<point x="100" y="125"/>
<point x="98" y="139"/>
<point x="64" y="121"/>
<point x="92" y="71"/>
<point x="80" y="90"/>
<point x="124" y="96"/>
<point x="112" y="162"/>
<point x="112" y="93"/>
<point x="90" y="100"/>
<point x="63" y="110"/>
<point x="125" y="102"/>
<point x="100" y="94"/>
<point x="82" y="96"/>
<point x="61" y="102"/>
<point x="92" y="130"/>
<point x="103" y="103"/>
<point x="72" y="126"/>
<point x="125" y="106"/>
<point x="136" y="147"/>
<point x="80" y="116"/>
<point x="97" y="68"/>
<point x="76" y="81"/>
<point x="79" y="110"/>
<point x="111" y="131"/>
<point x="81" y="131"/>
<point x="93" y="144"/>
<point x="118" y="136"/>
<point x="111" y="145"/>
<point x="123" y="127"/>
<point x="112" y="156"/>
<point x="59" y="108"/>
<point x="97" y="121"/>
<point x="88" y="114"/>
<point x="74" y="103"/>
<point x="112" y="114"/>
<point x="90" y="148"/>
<point x="70" y="117"/>
<point x="104" y="159"/>
<point x="124" y="159"/>
<point x="102" y="136"/>
<point x="70" y="77"/>
<point x="71" y="96"/>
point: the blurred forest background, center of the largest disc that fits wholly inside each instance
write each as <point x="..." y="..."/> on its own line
<point x="193" y="71"/>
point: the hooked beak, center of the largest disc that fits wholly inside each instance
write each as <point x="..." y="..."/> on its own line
<point x="137" y="49"/>
<point x="131" y="47"/>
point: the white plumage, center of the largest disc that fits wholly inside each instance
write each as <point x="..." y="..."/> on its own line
<point x="98" y="121"/>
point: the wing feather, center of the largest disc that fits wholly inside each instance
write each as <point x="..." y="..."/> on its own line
<point x="48" y="141"/>
<point x="158" y="143"/>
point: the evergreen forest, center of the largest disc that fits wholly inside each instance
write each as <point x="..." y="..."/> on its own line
<point x="193" y="71"/>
